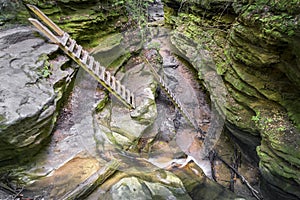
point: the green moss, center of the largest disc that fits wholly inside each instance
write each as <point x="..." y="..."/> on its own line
<point x="168" y="15"/>
<point x="2" y="119"/>
<point x="275" y="19"/>
<point x="278" y="164"/>
<point x="108" y="42"/>
<point x="102" y="103"/>
<point x="85" y="21"/>
<point x="116" y="64"/>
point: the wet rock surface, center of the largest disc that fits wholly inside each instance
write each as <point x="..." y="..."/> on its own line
<point x="31" y="89"/>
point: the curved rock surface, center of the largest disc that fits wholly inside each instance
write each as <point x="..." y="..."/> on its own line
<point x="32" y="86"/>
<point x="254" y="48"/>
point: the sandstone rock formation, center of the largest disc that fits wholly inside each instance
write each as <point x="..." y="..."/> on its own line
<point x="254" y="48"/>
<point x="85" y="21"/>
<point x="246" y="52"/>
<point x="32" y="87"/>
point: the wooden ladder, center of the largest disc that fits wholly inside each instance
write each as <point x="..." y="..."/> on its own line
<point x="172" y="97"/>
<point x="82" y="57"/>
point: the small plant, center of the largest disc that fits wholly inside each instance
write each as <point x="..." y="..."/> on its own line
<point x="102" y="103"/>
<point x="269" y="120"/>
<point x="46" y="70"/>
<point x="281" y="128"/>
<point x="256" y="118"/>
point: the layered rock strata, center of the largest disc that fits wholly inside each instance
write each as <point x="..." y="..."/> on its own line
<point x="31" y="90"/>
<point x="85" y="21"/>
<point x="253" y="45"/>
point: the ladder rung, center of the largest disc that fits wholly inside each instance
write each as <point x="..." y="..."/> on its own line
<point x="102" y="73"/>
<point x="96" y="67"/>
<point x="128" y="95"/>
<point x="132" y="102"/>
<point x="84" y="56"/>
<point x="72" y="45"/>
<point x="118" y="86"/>
<point x="123" y="91"/>
<point x="113" y="82"/>
<point x="64" y="39"/>
<point x="91" y="62"/>
<point x="78" y="52"/>
<point x="178" y="103"/>
<point x="107" y="79"/>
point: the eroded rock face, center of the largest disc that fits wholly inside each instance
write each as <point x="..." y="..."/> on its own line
<point x="135" y="188"/>
<point x="253" y="47"/>
<point x="12" y="12"/>
<point x="32" y="86"/>
<point x="85" y="21"/>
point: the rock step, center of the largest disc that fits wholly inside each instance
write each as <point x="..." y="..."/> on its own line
<point x="82" y="57"/>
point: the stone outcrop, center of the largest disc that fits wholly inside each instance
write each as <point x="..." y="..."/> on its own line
<point x="32" y="87"/>
<point x="12" y="12"/>
<point x="253" y="45"/>
<point x="86" y="22"/>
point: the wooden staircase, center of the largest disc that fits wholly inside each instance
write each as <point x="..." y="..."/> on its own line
<point x="172" y="97"/>
<point x="82" y="57"/>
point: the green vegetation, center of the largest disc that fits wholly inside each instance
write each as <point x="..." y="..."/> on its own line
<point x="256" y="118"/>
<point x="281" y="128"/>
<point x="45" y="72"/>
<point x="102" y="103"/>
<point x="154" y="45"/>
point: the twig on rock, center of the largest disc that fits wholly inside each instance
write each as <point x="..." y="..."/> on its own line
<point x="254" y="192"/>
<point x="212" y="158"/>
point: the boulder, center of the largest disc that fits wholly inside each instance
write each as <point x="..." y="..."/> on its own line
<point x="33" y="85"/>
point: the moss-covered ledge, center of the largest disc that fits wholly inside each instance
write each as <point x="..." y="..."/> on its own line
<point x="85" y="21"/>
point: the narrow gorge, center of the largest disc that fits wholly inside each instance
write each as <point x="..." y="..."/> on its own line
<point x="217" y="106"/>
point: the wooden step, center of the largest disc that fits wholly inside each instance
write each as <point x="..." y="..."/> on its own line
<point x="78" y="52"/>
<point x="85" y="55"/>
<point x="72" y="45"/>
<point x="172" y="96"/>
<point x="91" y="62"/>
<point x="64" y="39"/>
